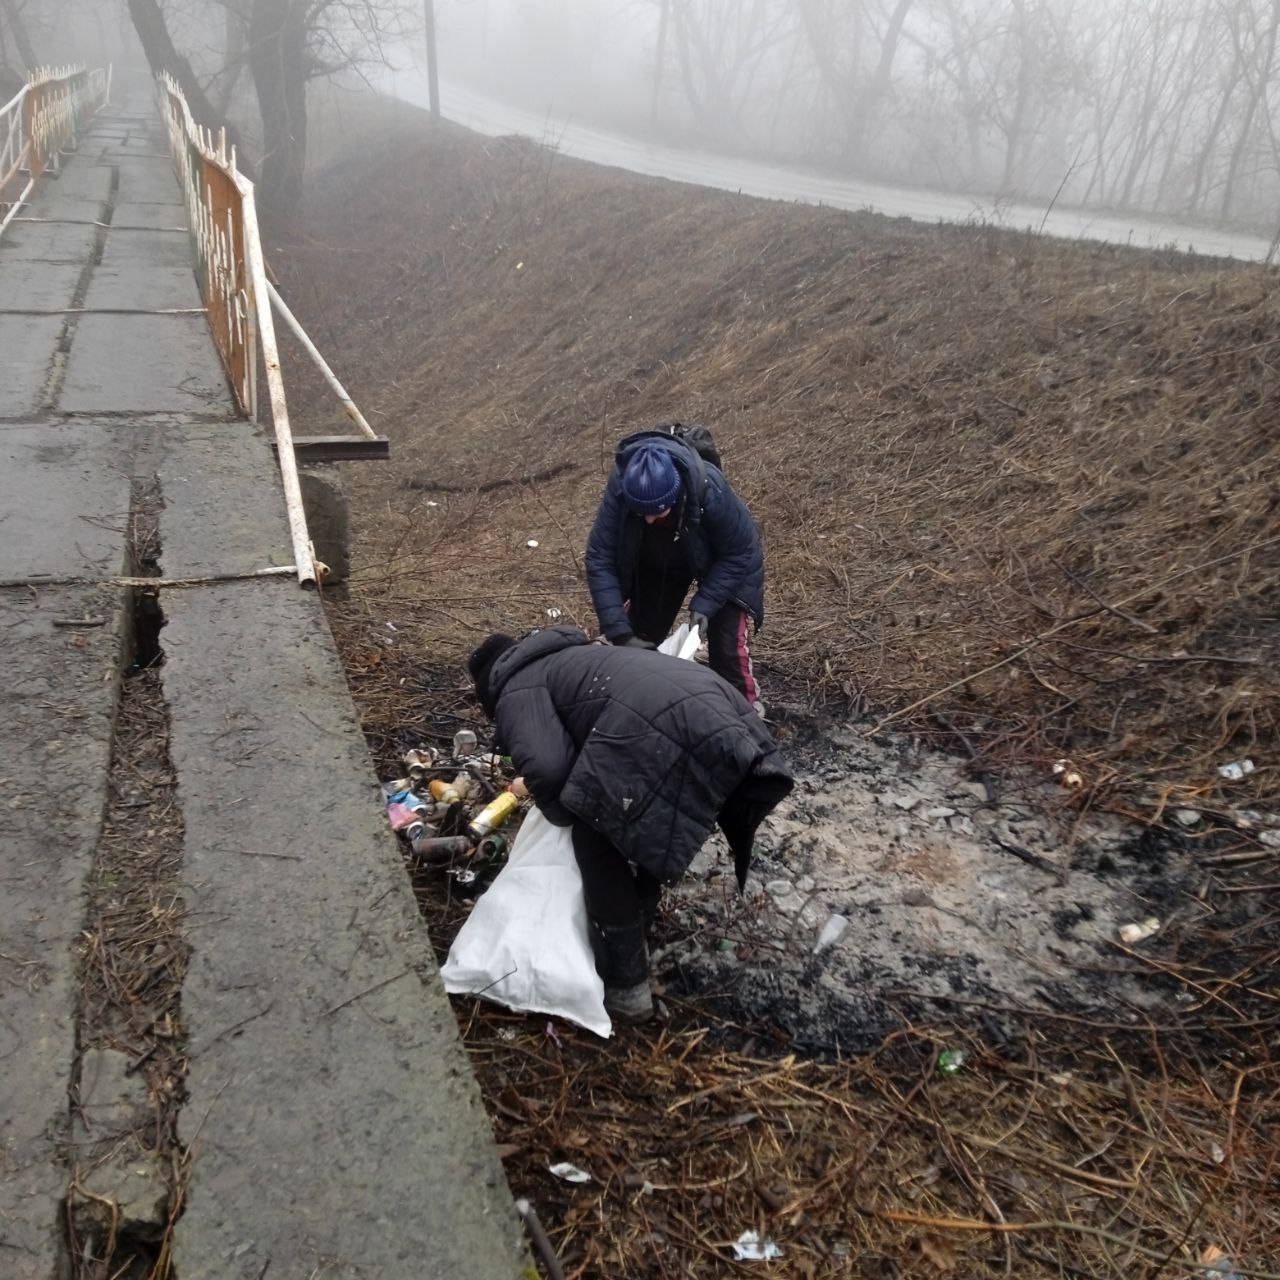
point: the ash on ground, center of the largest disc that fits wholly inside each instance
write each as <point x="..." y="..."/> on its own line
<point x="953" y="901"/>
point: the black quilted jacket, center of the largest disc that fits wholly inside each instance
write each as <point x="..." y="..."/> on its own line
<point x="642" y="747"/>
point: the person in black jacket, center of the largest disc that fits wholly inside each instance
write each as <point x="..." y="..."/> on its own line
<point x="642" y="755"/>
<point x="669" y="518"/>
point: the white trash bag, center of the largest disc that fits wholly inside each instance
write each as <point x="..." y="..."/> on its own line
<point x="525" y="945"/>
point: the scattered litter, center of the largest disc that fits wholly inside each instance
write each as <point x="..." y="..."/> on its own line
<point x="748" y="1247"/>
<point x="569" y="1172"/>
<point x="553" y="614"/>
<point x="493" y="815"/>
<point x="831" y="933"/>
<point x="464" y="743"/>
<point x="402" y="814"/>
<point x="419" y="759"/>
<point x="391" y="626"/>
<point x="726" y="944"/>
<point x="507" y="1033"/>
<point x="554" y="1035"/>
<point x="950" y="1061"/>
<point x="1067" y="774"/>
<point x="444" y="792"/>
<point x="942" y="811"/>
<point x="533" y="542"/>
<point x="1139" y="931"/>
<point x="440" y="851"/>
<point x="1236" y="771"/>
<point x="1187" y="817"/>
<point x="1217" y="1264"/>
<point x="1218" y="1154"/>
<point x="1270" y="838"/>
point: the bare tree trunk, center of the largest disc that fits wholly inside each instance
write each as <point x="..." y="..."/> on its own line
<point x="433" y="80"/>
<point x="233" y="58"/>
<point x="871" y="94"/>
<point x="278" y="61"/>
<point x="157" y="44"/>
<point x="1017" y="117"/>
<point x="1259" y="77"/>
<point x="17" y="25"/>
<point x="660" y="59"/>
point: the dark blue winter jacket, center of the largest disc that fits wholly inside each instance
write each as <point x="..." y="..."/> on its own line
<point x="718" y="535"/>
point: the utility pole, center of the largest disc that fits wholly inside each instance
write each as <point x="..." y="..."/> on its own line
<point x="433" y="84"/>
<point x="659" y="60"/>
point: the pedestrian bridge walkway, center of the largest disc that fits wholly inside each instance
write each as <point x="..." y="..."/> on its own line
<point x="329" y="1124"/>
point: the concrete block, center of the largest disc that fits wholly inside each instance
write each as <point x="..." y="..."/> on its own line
<point x="224" y="508"/>
<point x="351" y="1134"/>
<point x="35" y="286"/>
<point x="64" y="500"/>
<point x="110" y="1098"/>
<point x="142" y="287"/>
<point x="48" y="242"/>
<point x="148" y="181"/>
<point x="57" y="698"/>
<point x="83" y="181"/>
<point x="28" y="344"/>
<point x="324" y="498"/>
<point x="150" y="215"/>
<point x="127" y="249"/>
<point x="144" y="364"/>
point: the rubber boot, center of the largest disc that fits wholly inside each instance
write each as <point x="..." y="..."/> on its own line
<point x="627" y="994"/>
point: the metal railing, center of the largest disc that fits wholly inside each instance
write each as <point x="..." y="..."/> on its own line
<point x="223" y="221"/>
<point x="47" y="114"/>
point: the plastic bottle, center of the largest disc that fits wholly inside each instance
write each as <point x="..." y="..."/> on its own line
<point x="493" y="815"/>
<point x="445" y="792"/>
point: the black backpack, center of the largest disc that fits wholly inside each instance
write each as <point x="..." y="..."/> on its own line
<point x="697" y="437"/>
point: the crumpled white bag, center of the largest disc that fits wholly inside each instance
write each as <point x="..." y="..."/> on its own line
<point x="525" y="945"/>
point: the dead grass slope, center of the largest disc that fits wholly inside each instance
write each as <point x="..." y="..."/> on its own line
<point x="1026" y="489"/>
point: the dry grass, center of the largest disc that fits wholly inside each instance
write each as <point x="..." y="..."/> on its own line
<point x="1031" y="486"/>
<point x="1022" y="493"/>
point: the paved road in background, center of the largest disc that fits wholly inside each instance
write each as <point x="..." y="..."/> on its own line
<point x="773" y="182"/>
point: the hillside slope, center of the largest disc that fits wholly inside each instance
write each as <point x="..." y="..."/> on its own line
<point x="1027" y="485"/>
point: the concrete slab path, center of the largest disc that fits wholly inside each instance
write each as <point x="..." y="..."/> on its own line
<point x="332" y="1124"/>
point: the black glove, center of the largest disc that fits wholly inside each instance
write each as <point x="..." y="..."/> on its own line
<point x="699" y="622"/>
<point x="634" y="642"/>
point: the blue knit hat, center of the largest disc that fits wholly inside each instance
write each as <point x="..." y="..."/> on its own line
<point x="650" y="483"/>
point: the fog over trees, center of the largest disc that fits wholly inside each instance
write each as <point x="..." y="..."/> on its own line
<point x="1169" y="106"/>
<point x="1162" y="105"/>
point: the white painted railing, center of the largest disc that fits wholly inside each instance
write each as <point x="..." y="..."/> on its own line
<point x="47" y="114"/>
<point x="223" y="221"/>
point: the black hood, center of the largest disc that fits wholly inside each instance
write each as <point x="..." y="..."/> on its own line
<point x="536" y="645"/>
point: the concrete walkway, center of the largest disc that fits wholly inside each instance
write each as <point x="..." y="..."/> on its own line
<point x="333" y="1123"/>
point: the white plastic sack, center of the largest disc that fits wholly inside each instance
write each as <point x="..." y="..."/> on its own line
<point x="525" y="944"/>
<point x="683" y="642"/>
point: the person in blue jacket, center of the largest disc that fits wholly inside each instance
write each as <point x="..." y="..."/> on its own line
<point x="668" y="520"/>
